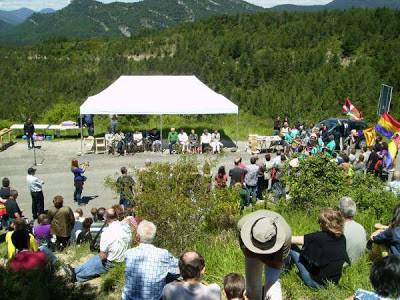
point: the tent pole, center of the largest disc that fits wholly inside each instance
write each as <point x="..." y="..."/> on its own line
<point x="237" y="130"/>
<point x="81" y="125"/>
<point x="161" y="136"/>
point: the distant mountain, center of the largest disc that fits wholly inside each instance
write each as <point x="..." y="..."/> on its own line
<point x="341" y="4"/>
<point x="15" y="16"/>
<point x="19" y="16"/>
<point x="47" y="11"/>
<point x="4" y="26"/>
<point x="89" y="18"/>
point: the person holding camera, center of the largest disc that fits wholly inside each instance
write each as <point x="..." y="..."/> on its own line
<point x="79" y="180"/>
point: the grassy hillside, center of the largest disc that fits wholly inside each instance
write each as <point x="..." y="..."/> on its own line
<point x="90" y="19"/>
<point x="300" y="64"/>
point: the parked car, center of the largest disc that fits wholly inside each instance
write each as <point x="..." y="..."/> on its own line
<point x="335" y="128"/>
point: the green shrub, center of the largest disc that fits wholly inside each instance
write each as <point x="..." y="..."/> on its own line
<point x="60" y="112"/>
<point x="180" y="201"/>
<point x="369" y="193"/>
<point x="319" y="183"/>
<point x="315" y="183"/>
<point x="41" y="285"/>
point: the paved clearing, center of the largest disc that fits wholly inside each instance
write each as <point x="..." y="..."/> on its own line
<point x="55" y="170"/>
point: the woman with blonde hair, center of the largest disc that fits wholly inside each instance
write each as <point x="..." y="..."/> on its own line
<point x="323" y="253"/>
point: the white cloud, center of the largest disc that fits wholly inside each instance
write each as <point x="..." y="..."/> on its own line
<point x="57" y="4"/>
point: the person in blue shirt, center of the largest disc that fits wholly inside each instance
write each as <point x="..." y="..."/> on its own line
<point x="147" y="267"/>
<point x="389" y="235"/>
<point x="79" y="180"/>
<point x="385" y="278"/>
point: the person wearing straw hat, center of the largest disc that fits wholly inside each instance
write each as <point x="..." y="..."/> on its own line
<point x="265" y="239"/>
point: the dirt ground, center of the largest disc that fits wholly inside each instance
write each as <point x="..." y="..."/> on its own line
<point x="53" y="168"/>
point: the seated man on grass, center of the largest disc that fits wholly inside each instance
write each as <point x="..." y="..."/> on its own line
<point x="192" y="268"/>
<point x="114" y="242"/>
<point x="147" y="266"/>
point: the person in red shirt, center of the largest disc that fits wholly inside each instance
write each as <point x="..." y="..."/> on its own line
<point x="25" y="259"/>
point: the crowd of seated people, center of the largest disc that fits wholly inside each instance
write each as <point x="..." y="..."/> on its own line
<point x="123" y="143"/>
<point x="207" y="143"/>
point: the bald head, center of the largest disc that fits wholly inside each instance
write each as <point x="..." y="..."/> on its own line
<point x="191" y="265"/>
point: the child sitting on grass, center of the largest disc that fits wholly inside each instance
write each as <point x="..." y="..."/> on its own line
<point x="235" y="287"/>
<point x="41" y="231"/>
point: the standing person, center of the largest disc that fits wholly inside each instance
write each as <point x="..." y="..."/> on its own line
<point x="29" y="130"/>
<point x="125" y="185"/>
<point x="277" y="126"/>
<point x="79" y="180"/>
<point x="62" y="221"/>
<point x="236" y="174"/>
<point x="89" y="124"/>
<point x="265" y="240"/>
<point x="35" y="187"/>
<point x="251" y="179"/>
<point x="114" y="124"/>
<point x="268" y="171"/>
<point x="172" y="140"/>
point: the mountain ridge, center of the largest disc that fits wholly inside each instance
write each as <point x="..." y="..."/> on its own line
<point x="18" y="16"/>
<point x="93" y="19"/>
<point x="340" y="4"/>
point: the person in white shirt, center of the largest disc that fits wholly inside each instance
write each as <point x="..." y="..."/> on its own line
<point x="205" y="141"/>
<point x="216" y="141"/>
<point x="183" y="140"/>
<point x="35" y="188"/>
<point x="138" y="138"/>
<point x="114" y="242"/>
<point x="109" y="137"/>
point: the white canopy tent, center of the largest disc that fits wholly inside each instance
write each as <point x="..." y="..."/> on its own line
<point x="157" y="95"/>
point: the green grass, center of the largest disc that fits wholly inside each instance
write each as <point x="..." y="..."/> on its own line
<point x="223" y="255"/>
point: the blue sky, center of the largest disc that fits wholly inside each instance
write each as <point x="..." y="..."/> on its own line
<point x="57" y="4"/>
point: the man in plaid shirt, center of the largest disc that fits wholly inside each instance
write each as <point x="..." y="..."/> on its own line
<point x="147" y="266"/>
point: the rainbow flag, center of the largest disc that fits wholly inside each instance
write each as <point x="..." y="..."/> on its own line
<point x="388" y="160"/>
<point x="387" y="125"/>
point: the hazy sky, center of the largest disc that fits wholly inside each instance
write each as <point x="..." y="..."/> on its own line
<point x="57" y="4"/>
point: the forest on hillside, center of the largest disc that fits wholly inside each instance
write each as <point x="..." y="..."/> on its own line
<point x="300" y="64"/>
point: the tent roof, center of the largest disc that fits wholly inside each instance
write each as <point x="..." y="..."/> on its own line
<point x="158" y="95"/>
